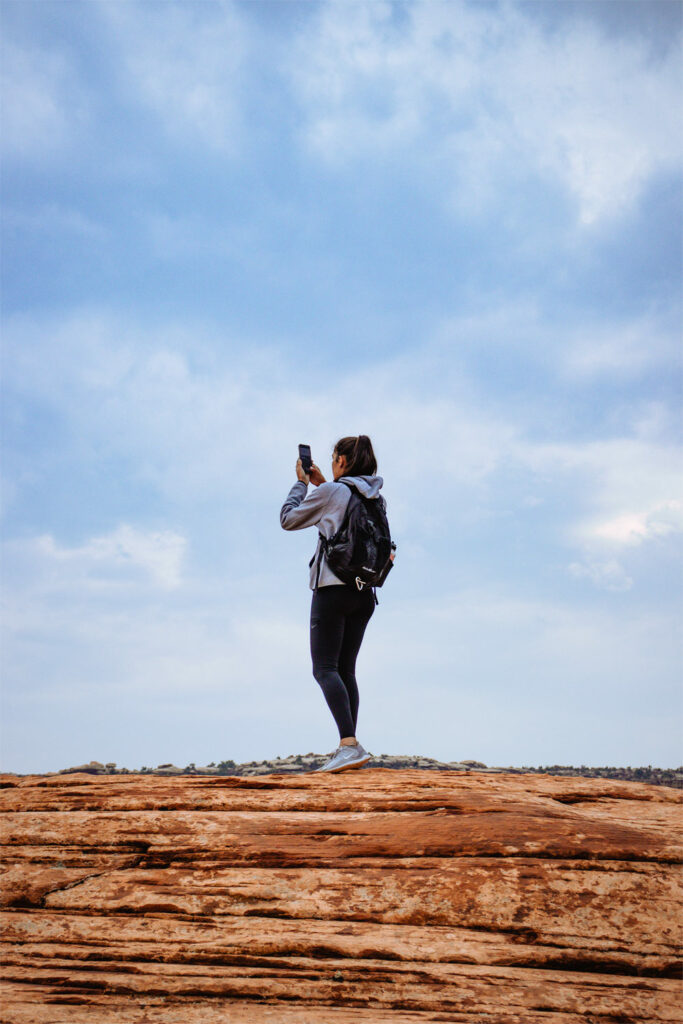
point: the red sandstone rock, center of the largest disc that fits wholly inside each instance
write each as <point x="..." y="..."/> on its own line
<point x="374" y="896"/>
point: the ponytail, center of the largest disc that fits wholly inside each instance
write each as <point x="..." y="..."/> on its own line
<point x="360" y="457"/>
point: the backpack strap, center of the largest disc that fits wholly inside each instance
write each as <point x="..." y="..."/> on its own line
<point x="324" y="541"/>
<point x="319" y="561"/>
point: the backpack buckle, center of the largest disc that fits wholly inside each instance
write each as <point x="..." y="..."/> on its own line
<point x="360" y="583"/>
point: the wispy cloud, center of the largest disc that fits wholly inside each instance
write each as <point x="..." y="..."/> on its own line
<point x="183" y="62"/>
<point x="608" y="575"/>
<point x="57" y="220"/>
<point x="637" y="527"/>
<point x="621" y="351"/>
<point x="375" y="79"/>
<point x="43" y="107"/>
<point x="124" y="555"/>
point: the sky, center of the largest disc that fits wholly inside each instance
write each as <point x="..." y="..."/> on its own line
<point x="231" y="227"/>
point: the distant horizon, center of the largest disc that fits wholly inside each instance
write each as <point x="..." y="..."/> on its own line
<point x="475" y="765"/>
<point x="232" y="228"/>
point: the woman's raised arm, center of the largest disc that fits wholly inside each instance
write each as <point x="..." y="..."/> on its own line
<point x="300" y="510"/>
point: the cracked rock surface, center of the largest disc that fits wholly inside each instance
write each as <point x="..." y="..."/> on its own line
<point x="379" y="896"/>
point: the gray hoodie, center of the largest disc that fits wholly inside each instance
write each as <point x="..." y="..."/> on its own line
<point x="324" y="507"/>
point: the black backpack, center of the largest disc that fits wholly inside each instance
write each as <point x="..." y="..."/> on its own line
<point x="360" y="551"/>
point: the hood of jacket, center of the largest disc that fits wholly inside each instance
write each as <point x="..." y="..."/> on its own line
<point x="368" y="486"/>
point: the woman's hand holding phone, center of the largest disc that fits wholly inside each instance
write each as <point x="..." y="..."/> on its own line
<point x="300" y="474"/>
<point x="315" y="477"/>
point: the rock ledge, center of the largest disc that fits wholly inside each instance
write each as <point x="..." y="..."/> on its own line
<point x="371" y="897"/>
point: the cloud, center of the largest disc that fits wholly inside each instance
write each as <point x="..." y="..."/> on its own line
<point x="200" y="426"/>
<point x="608" y="575"/>
<point x="622" y="351"/>
<point x="43" y="107"/>
<point x="106" y="560"/>
<point x="58" y="220"/>
<point x="487" y="96"/>
<point x="630" y="479"/>
<point x="572" y="352"/>
<point x="636" y="527"/>
<point x="635" y="471"/>
<point x="183" y="62"/>
<point x="75" y="91"/>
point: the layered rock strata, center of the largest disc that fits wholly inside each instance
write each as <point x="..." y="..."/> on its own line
<point x="374" y="896"/>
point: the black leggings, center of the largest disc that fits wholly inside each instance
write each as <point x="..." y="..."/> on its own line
<point x="339" y="615"/>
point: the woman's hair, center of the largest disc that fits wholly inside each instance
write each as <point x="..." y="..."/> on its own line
<point x="360" y="458"/>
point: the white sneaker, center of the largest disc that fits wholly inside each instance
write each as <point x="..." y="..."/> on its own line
<point x="346" y="756"/>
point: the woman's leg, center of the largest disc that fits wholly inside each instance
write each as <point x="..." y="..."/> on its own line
<point x="353" y="637"/>
<point x="328" y="620"/>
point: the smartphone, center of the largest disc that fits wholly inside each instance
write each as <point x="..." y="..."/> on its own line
<point x="305" y="456"/>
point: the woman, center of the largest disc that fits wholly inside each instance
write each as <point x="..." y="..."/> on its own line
<point x="339" y="612"/>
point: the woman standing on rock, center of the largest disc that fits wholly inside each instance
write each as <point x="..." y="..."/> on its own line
<point x="339" y="611"/>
